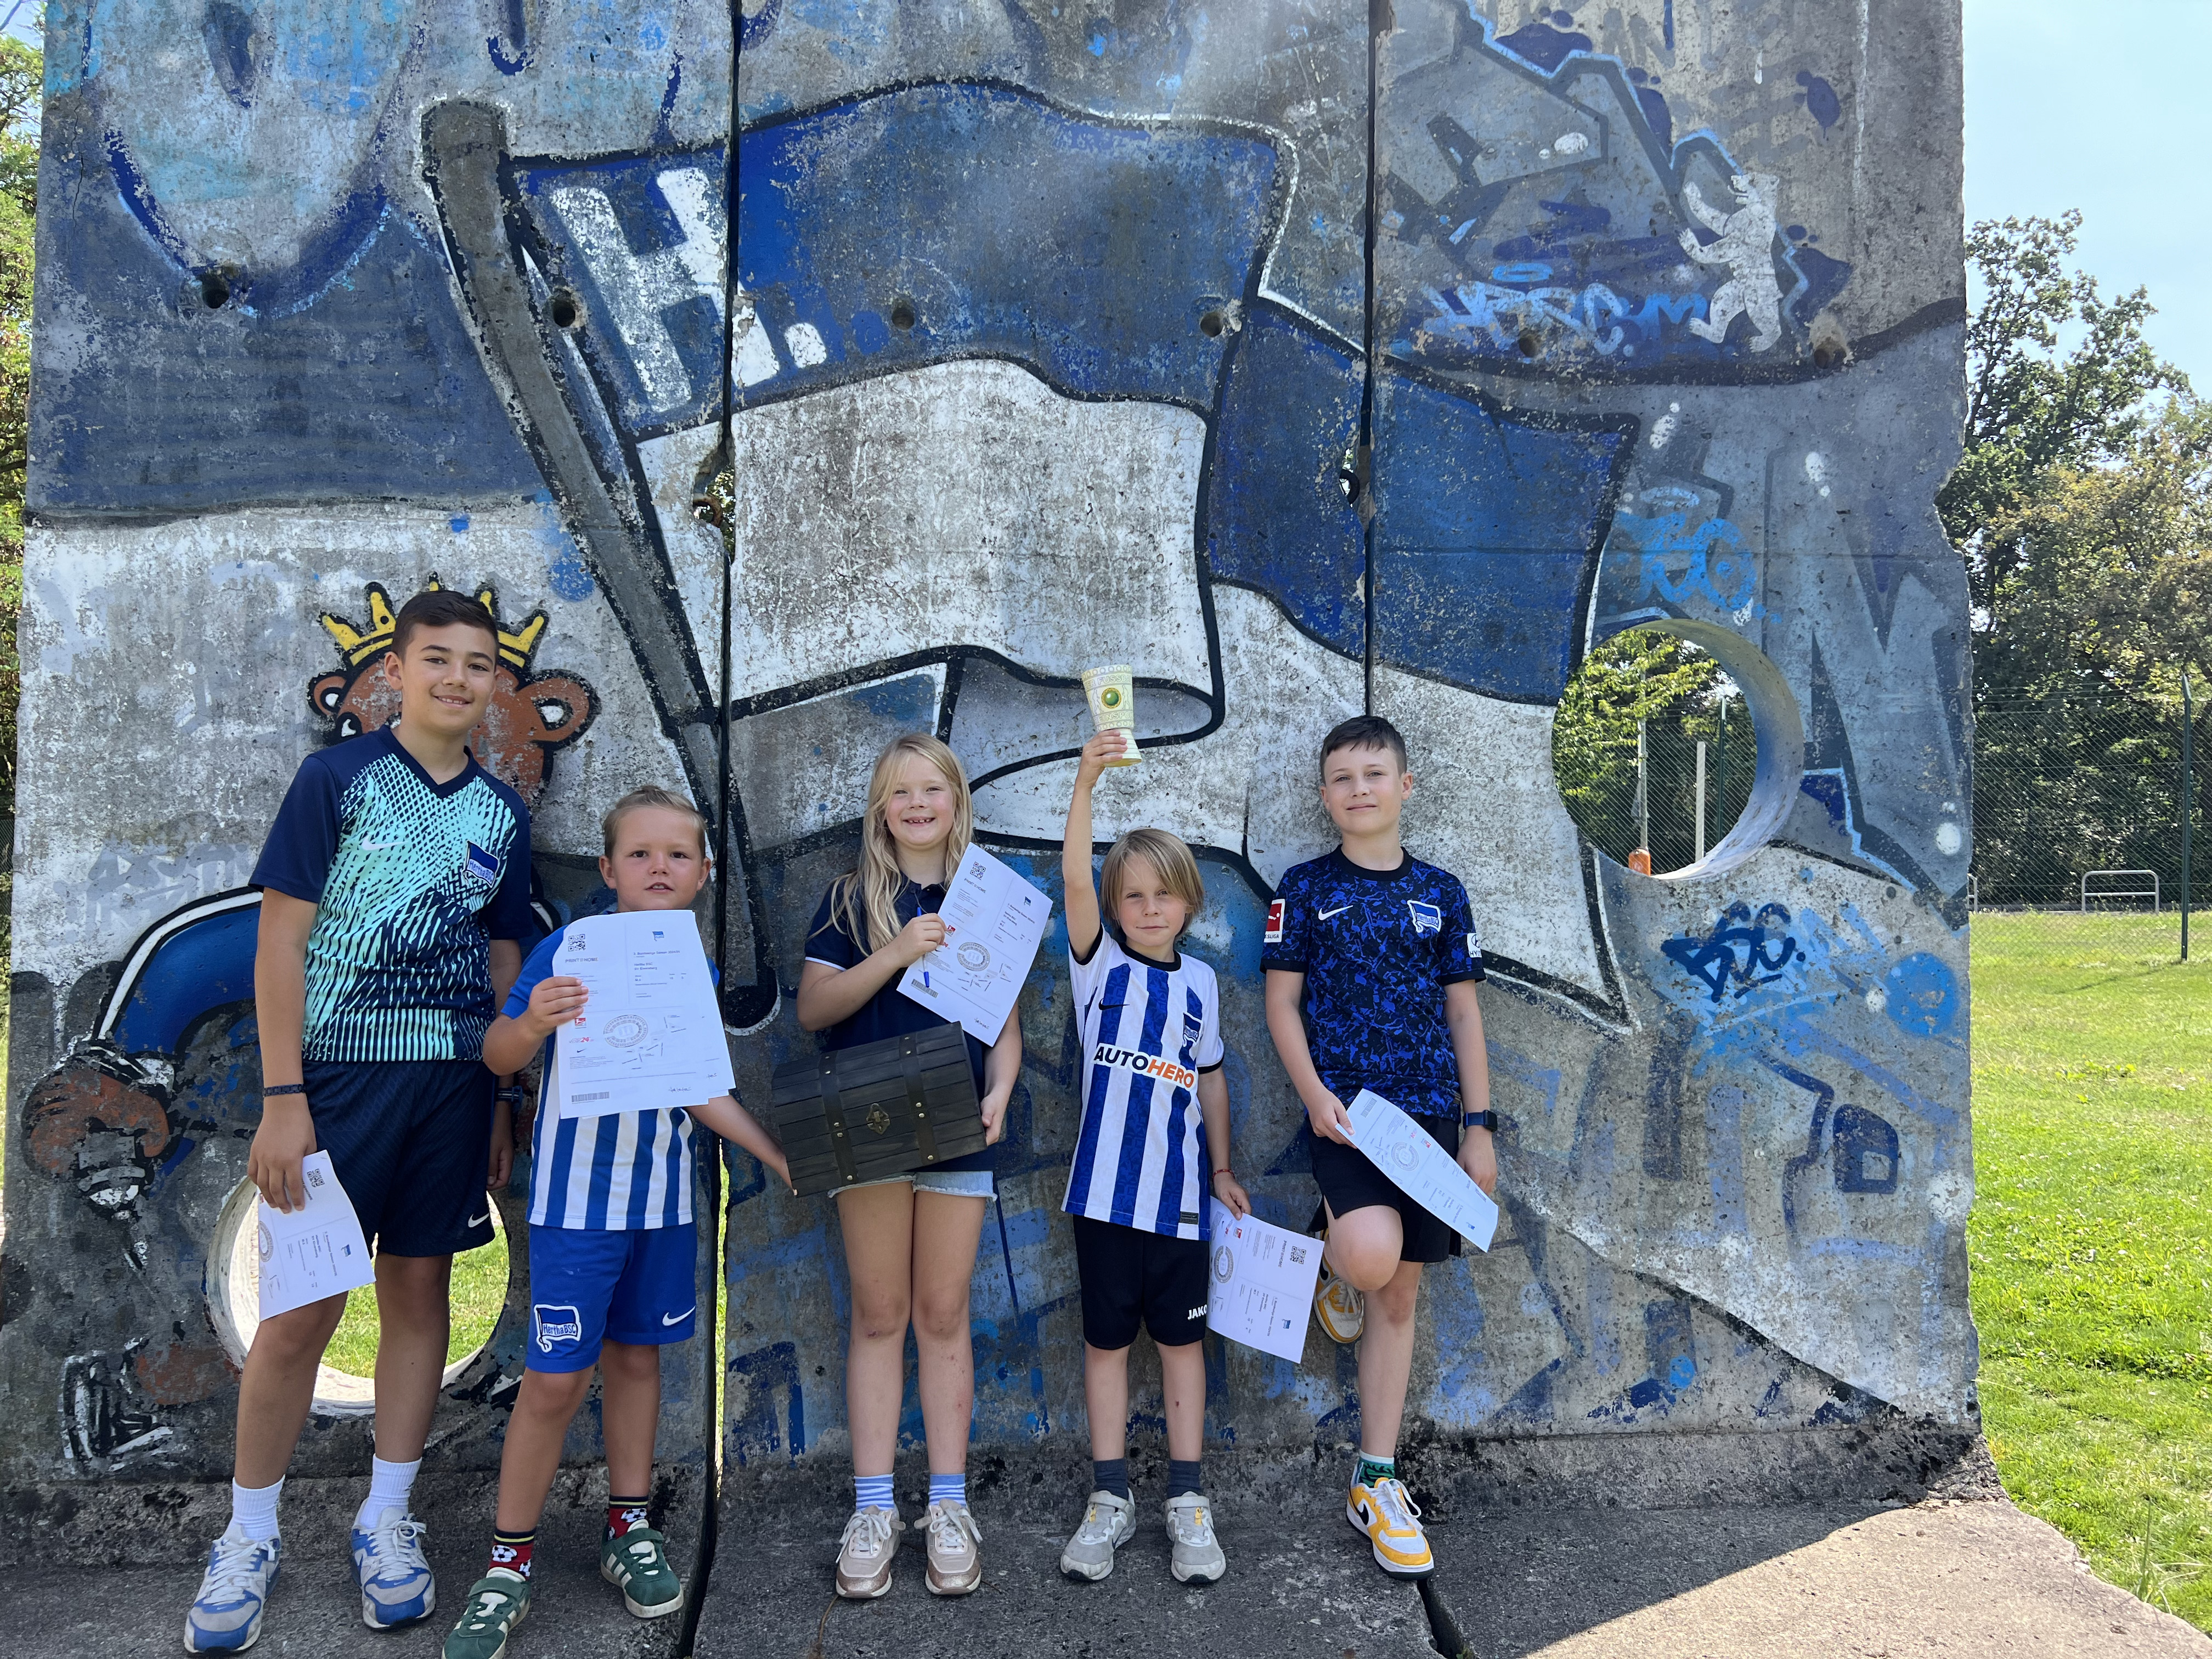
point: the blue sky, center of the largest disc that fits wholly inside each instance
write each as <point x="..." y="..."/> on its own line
<point x="2101" y="104"/>
<point x="2094" y="104"/>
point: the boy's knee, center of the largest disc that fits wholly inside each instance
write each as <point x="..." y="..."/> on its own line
<point x="877" y="1319"/>
<point x="940" y="1319"/>
<point x="1367" y="1266"/>
<point x="631" y="1360"/>
<point x="1396" y="1299"/>
<point x="553" y="1393"/>
<point x="303" y="1331"/>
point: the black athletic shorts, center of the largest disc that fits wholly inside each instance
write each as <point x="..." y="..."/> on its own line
<point x="1349" y="1182"/>
<point x="410" y="1141"/>
<point x="1130" y="1277"/>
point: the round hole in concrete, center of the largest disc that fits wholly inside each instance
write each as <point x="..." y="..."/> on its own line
<point x="1528" y="344"/>
<point x="563" y="310"/>
<point x="1212" y="324"/>
<point x="344" y="1381"/>
<point x="1826" y="357"/>
<point x="1689" y="681"/>
<point x="903" y="317"/>
<point x="215" y="290"/>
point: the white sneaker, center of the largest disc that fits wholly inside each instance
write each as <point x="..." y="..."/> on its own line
<point x="865" y="1552"/>
<point x="1106" y="1524"/>
<point x="225" y="1615"/>
<point x="394" y="1575"/>
<point x="1197" y="1555"/>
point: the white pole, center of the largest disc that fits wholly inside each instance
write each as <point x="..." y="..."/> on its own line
<point x="1643" y="790"/>
<point x="1701" y="800"/>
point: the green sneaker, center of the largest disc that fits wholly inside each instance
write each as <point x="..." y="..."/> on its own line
<point x="498" y="1601"/>
<point x="636" y="1564"/>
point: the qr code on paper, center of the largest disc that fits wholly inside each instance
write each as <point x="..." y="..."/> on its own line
<point x="314" y="1178"/>
<point x="1298" y="1255"/>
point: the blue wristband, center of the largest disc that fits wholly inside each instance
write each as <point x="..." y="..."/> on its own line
<point x="1479" y="1121"/>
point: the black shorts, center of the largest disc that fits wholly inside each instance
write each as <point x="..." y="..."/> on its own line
<point x="1130" y="1277"/>
<point x="1349" y="1182"/>
<point x="410" y="1141"/>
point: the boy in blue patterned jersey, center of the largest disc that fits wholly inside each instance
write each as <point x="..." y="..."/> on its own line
<point x="1145" y="1163"/>
<point x="612" y="1253"/>
<point x="1372" y="961"/>
<point x="395" y="891"/>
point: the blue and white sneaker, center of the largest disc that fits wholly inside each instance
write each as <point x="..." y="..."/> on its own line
<point x="396" y="1586"/>
<point x="225" y="1615"/>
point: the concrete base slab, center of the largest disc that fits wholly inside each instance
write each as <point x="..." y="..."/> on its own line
<point x="126" y="1612"/>
<point x="1818" y="1581"/>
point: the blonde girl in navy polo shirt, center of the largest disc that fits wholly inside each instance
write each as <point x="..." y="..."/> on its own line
<point x="911" y="1241"/>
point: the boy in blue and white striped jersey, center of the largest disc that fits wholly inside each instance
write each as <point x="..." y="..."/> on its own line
<point x="1144" y="1162"/>
<point x="612" y="1249"/>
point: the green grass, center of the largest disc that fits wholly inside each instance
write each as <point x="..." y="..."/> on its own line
<point x="479" y="1293"/>
<point x="2091" y="1243"/>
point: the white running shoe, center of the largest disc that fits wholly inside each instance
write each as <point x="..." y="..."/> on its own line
<point x="865" y="1552"/>
<point x="1106" y="1523"/>
<point x="1386" y="1513"/>
<point x="225" y="1615"/>
<point x="388" y="1563"/>
<point x="1197" y="1556"/>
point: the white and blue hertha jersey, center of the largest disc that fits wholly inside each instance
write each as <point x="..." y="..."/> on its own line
<point x="624" y="1172"/>
<point x="1149" y="1028"/>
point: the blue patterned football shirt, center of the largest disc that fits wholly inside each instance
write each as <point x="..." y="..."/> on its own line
<point x="1377" y="947"/>
<point x="413" y="880"/>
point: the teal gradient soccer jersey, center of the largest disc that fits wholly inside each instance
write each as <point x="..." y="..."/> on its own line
<point x="413" y="880"/>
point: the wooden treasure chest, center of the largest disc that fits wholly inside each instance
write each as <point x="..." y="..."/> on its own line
<point x="882" y="1109"/>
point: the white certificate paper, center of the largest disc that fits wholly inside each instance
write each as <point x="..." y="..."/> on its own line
<point x="316" y="1251"/>
<point x="1421" y="1169"/>
<point x="994" y="922"/>
<point x="1263" y="1283"/>
<point x="650" y="1037"/>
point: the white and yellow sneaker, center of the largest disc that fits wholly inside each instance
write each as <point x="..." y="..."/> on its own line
<point x="1341" y="1310"/>
<point x="1392" y="1522"/>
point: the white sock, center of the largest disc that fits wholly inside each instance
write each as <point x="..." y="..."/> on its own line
<point x="388" y="1486"/>
<point x="254" y="1509"/>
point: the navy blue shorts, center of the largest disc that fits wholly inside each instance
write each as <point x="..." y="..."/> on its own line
<point x="410" y="1141"/>
<point x="1349" y="1181"/>
<point x="588" y="1286"/>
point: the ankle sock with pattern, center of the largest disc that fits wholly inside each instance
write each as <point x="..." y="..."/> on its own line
<point x="511" y="1553"/>
<point x="625" y="1516"/>
<point x="1183" y="1478"/>
<point x="1110" y="1474"/>
<point x="1372" y="1469"/>
<point x="949" y="1488"/>
<point x="872" y="1492"/>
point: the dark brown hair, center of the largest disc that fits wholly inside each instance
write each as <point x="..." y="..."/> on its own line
<point x="1362" y="732"/>
<point x="441" y="607"/>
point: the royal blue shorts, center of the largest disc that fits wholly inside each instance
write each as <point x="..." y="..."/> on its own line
<point x="588" y="1286"/>
<point x="410" y="1141"/>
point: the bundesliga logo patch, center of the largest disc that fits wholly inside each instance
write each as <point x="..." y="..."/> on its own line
<point x="1275" y="922"/>
<point x="1128" y="1059"/>
<point x="1427" y="919"/>
<point x="483" y="866"/>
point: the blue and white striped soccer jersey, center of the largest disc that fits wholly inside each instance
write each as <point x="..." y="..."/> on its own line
<point x="413" y="880"/>
<point x="620" y="1173"/>
<point x="1149" y="1028"/>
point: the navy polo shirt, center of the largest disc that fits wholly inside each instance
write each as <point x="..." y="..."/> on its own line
<point x="890" y="1013"/>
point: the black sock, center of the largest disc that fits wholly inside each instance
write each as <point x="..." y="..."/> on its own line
<point x="1183" y="1477"/>
<point x="1110" y="1474"/>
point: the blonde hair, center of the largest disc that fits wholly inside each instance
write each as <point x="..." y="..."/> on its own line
<point x="865" y="899"/>
<point x="1170" y="858"/>
<point x="650" y="795"/>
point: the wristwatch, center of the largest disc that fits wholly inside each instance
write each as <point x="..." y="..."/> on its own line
<point x="1479" y="1121"/>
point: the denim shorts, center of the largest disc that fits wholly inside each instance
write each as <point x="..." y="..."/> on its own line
<point x="953" y="1184"/>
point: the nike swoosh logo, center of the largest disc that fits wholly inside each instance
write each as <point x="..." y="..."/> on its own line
<point x="1323" y="915"/>
<point x="678" y="1319"/>
<point x="378" y="846"/>
<point x="479" y="1220"/>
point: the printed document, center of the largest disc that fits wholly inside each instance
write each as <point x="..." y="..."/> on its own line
<point x="316" y="1251"/>
<point x="1421" y="1169"/>
<point x="994" y="922"/>
<point x="650" y="1036"/>
<point x="1263" y="1283"/>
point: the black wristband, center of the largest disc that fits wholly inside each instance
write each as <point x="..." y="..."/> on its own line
<point x="284" y="1088"/>
<point x="512" y="1097"/>
<point x="1479" y="1121"/>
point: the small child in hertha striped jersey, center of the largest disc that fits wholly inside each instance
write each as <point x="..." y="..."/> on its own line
<point x="1153" y="1143"/>
<point x="613" y="1254"/>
